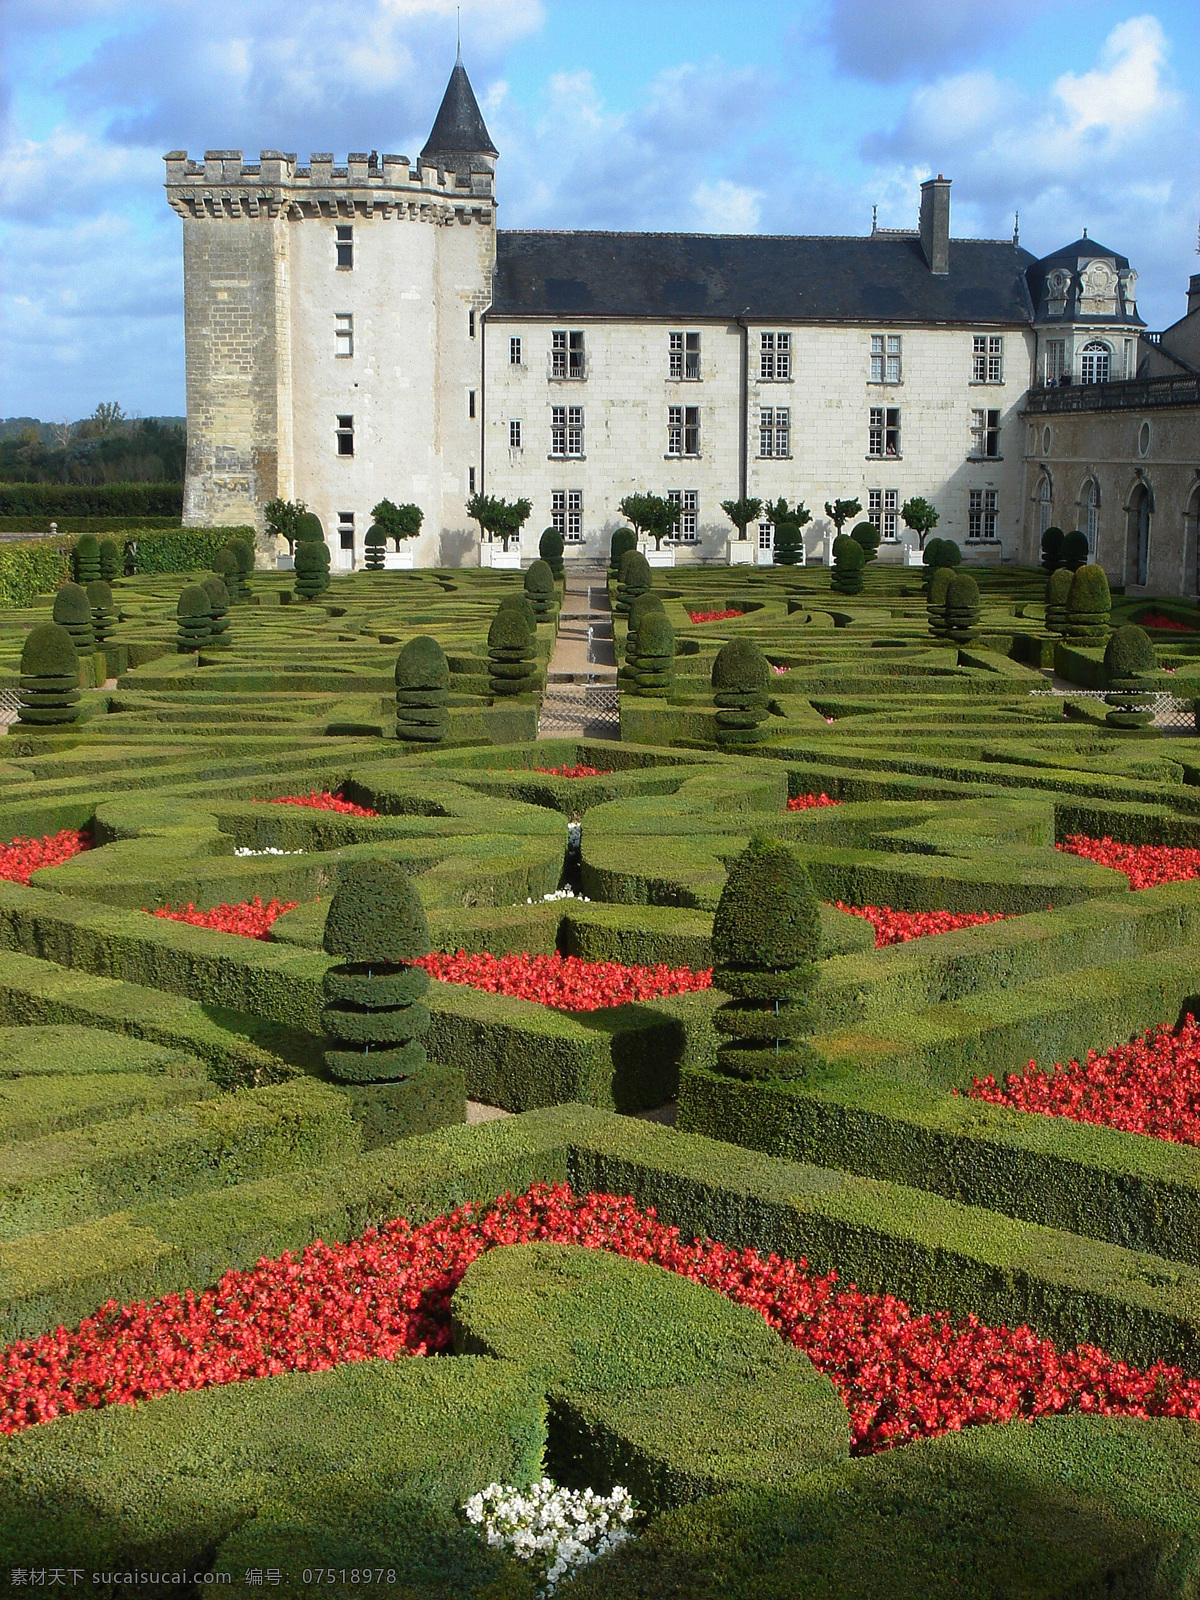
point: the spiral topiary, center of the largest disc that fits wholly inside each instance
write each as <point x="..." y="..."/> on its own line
<point x="849" y="561"/>
<point x="511" y="654"/>
<point x="243" y="552"/>
<point x="422" y="690"/>
<point x="935" y="600"/>
<point x="73" y="611"/>
<point x="377" y="928"/>
<point x="1074" y="549"/>
<point x="962" y="608"/>
<point x="539" y="589"/>
<point x="375" y="547"/>
<point x="195" y="619"/>
<point x="218" y="602"/>
<point x="111" y="566"/>
<point x="225" y="566"/>
<point x="639" y="609"/>
<point x="636" y="579"/>
<point x="1058" y="587"/>
<point x="87" y="559"/>
<point x="104" y="611"/>
<point x="312" y="569"/>
<point x="741" y="677"/>
<point x="655" y="670"/>
<point x="766" y="939"/>
<point x="1132" y="669"/>
<point x="789" y="544"/>
<point x="623" y="539"/>
<point x="48" y="688"/>
<point x="1088" y="606"/>
<point x="550" y="548"/>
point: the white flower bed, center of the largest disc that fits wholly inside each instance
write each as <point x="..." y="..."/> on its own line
<point x="244" y="850"/>
<point x="562" y="894"/>
<point x="557" y="1531"/>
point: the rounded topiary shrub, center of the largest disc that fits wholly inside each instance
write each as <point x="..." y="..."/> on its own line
<point x="511" y="654"/>
<point x="309" y="529"/>
<point x="935" y="600"/>
<point x="655" y="671"/>
<point x="1088" y="606"/>
<point x="637" y="578"/>
<point x="789" y="544"/>
<point x="1052" y="543"/>
<point x="1074" y="549"/>
<point x="104" y="611"/>
<point x="312" y="569"/>
<point x="766" y="939"/>
<point x="867" y="535"/>
<point x="422" y="690"/>
<point x="1058" y="586"/>
<point x="550" y="548"/>
<point x="375" y="548"/>
<point x="218" y="604"/>
<point x="243" y="554"/>
<point x="848" y="564"/>
<point x="623" y="539"/>
<point x="522" y="604"/>
<point x="539" y="588"/>
<point x="111" y="565"/>
<point x="225" y="566"/>
<point x="1132" y="669"/>
<point x="87" y="559"/>
<point x="377" y="928"/>
<point x="962" y="608"/>
<point x="639" y="608"/>
<point x="741" y="676"/>
<point x="194" y="613"/>
<point x="941" y="553"/>
<point x="48" y="688"/>
<point x="73" y="611"/>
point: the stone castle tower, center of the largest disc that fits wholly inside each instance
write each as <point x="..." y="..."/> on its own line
<point x="332" y="320"/>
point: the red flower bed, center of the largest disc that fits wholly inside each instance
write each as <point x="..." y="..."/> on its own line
<point x="809" y="802"/>
<point x="898" y="927"/>
<point x="1151" y="1086"/>
<point x="21" y="858"/>
<point x="1145" y="865"/>
<point x="1155" y="619"/>
<point x="323" y="801"/>
<point x="575" y="772"/>
<point x="387" y="1294"/>
<point x="564" y="982"/>
<point x="715" y="616"/>
<point x="251" y="919"/>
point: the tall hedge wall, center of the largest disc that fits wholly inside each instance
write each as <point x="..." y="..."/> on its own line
<point x="91" y="500"/>
<point x="29" y="568"/>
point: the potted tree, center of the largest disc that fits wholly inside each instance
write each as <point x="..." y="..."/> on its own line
<point x="400" y="523"/>
<point x="499" y="518"/>
<point x="655" y="518"/>
<point x="742" y="513"/>
<point x="282" y="517"/>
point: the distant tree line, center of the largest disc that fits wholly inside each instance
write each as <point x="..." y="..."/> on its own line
<point x="107" y="447"/>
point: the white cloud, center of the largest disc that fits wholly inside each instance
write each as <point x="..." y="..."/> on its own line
<point x="727" y="207"/>
<point x="1126" y="92"/>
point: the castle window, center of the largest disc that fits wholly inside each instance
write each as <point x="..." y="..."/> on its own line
<point x="981" y="514"/>
<point x="566" y="430"/>
<point x="470" y="480"/>
<point x="1056" y="360"/>
<point x="883" y="510"/>
<point x="987" y="358"/>
<point x="345" y="436"/>
<point x="775" y="431"/>
<point x="688" y="501"/>
<point x="985" y="433"/>
<point x="885" y="358"/>
<point x="566" y="353"/>
<point x="775" y="357"/>
<point x="683" y="430"/>
<point x="1045" y="503"/>
<point x="1130" y="360"/>
<point x="343" y="333"/>
<point x="1095" y="363"/>
<point x="684" y="354"/>
<point x="345" y="247"/>
<point x="471" y="324"/>
<point x="566" y="514"/>
<point x="514" y="352"/>
<point x="346" y="530"/>
<point x="470" y="402"/>
<point x="514" y="435"/>
<point x="883" y="433"/>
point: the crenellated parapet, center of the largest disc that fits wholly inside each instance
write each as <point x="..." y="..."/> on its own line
<point x="223" y="187"/>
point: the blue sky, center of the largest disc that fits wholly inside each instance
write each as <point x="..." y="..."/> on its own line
<point x="655" y="114"/>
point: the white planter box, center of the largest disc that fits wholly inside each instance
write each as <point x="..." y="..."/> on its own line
<point x="661" y="558"/>
<point x="398" y="561"/>
<point x="285" y="563"/>
<point x="913" y="557"/>
<point x="741" y="552"/>
<point x="495" y="555"/>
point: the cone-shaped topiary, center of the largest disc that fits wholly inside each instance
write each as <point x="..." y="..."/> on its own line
<point x="655" y="671"/>
<point x="312" y="569"/>
<point x="225" y="566"/>
<point x="376" y="927"/>
<point x="111" y="567"/>
<point x="73" y="611"/>
<point x="539" y="589"/>
<point x="639" y="609"/>
<point x="375" y="547"/>
<point x="1088" y="606"/>
<point x="48" y="688"/>
<point x="550" y="548"/>
<point x="87" y="559"/>
<point x="104" y="612"/>
<point x="935" y="601"/>
<point x="243" y="552"/>
<point x="848" y="563"/>
<point x="1074" y="549"/>
<point x="765" y="941"/>
<point x="195" y="619"/>
<point x="511" y="654"/>
<point x="422" y="690"/>
<point x="218" y="602"/>
<point x="623" y="539"/>
<point x="1052" y="543"/>
<point x="741" y="677"/>
<point x="1058" y="586"/>
<point x="636" y="579"/>
<point x="962" y="608"/>
<point x="1132" y="668"/>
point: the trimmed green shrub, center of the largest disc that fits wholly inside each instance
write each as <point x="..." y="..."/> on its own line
<point x="636" y="579"/>
<point x="1088" y="606"/>
<point x="312" y="569"/>
<point x="422" y="690"/>
<point x="550" y="548"/>
<point x="104" y="612"/>
<point x="55" y="500"/>
<point x="29" y="568"/>
<point x="962" y="608"/>
<point x="655" y="669"/>
<point x="375" y="547"/>
<point x="789" y="542"/>
<point x="243" y="552"/>
<point x="867" y="535"/>
<point x="48" y="689"/>
<point x="73" y="611"/>
<point x="622" y="540"/>
<point x="112" y="565"/>
<point x="741" y="676"/>
<point x="1132" y="667"/>
<point x="766" y="940"/>
<point x="1052" y="543"/>
<point x="225" y="566"/>
<point x="178" y="549"/>
<point x="539" y="589"/>
<point x="194" y="612"/>
<point x="1058" y="587"/>
<point x="520" y="603"/>
<point x="1074" y="549"/>
<point x="309" y="529"/>
<point x="935" y="600"/>
<point x="511" y="654"/>
<point x="640" y="607"/>
<point x="941" y="553"/>
<point x="849" y="562"/>
<point x="87" y="559"/>
<point x="218" y="602"/>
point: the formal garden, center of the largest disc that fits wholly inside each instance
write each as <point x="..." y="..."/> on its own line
<point x="760" y="1152"/>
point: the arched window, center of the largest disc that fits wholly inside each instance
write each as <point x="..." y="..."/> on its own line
<point x="1096" y="363"/>
<point x="1045" y="504"/>
<point x="1091" y="516"/>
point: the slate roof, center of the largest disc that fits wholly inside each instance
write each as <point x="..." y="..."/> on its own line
<point x="881" y="278"/>
<point x="458" y="128"/>
<point x="1073" y="257"/>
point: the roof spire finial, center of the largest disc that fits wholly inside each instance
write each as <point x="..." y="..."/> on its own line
<point x="458" y="52"/>
<point x="1085" y="233"/>
<point x="1016" y="227"/>
<point x="874" y="219"/>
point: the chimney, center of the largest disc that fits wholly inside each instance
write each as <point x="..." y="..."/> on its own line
<point x="1193" y="293"/>
<point x="935" y="224"/>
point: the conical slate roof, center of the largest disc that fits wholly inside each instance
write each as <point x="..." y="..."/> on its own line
<point x="459" y="127"/>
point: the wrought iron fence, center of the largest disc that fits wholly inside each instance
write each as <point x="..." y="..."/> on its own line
<point x="1170" y="711"/>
